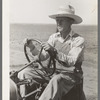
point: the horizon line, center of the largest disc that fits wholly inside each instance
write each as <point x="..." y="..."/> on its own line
<point x="55" y="24"/>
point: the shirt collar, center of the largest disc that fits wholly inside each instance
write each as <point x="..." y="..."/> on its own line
<point x="68" y="36"/>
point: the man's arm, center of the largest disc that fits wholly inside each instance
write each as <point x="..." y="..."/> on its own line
<point x="73" y="55"/>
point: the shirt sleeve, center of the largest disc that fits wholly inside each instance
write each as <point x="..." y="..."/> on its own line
<point x="51" y="40"/>
<point x="73" y="55"/>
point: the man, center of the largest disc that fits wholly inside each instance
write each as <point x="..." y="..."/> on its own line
<point x="68" y="48"/>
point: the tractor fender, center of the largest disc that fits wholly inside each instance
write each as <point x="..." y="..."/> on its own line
<point x="13" y="90"/>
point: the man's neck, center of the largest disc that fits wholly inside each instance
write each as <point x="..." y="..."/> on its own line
<point x="64" y="34"/>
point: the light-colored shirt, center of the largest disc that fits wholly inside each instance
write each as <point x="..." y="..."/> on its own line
<point x="70" y="49"/>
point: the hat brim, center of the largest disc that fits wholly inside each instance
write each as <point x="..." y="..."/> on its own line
<point x="76" y="18"/>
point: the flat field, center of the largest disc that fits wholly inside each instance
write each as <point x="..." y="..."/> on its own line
<point x="41" y="31"/>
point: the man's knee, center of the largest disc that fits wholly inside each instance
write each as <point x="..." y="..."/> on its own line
<point x="56" y="78"/>
<point x="21" y="75"/>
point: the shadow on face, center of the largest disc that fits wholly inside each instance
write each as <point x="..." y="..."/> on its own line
<point x="64" y="23"/>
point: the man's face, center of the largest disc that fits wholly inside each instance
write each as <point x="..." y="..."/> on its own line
<point x="63" y="23"/>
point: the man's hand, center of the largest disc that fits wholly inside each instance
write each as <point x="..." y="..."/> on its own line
<point x="47" y="46"/>
<point x="52" y="51"/>
<point x="28" y="43"/>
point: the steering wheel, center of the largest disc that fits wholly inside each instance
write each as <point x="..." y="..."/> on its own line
<point x="48" y="65"/>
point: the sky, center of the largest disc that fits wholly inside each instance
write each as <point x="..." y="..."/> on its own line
<point x="37" y="11"/>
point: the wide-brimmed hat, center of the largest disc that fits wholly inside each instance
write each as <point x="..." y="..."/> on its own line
<point x="67" y="11"/>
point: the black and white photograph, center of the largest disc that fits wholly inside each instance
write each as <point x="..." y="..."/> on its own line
<point x="53" y="50"/>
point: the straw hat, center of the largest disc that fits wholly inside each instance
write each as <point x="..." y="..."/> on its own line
<point x="67" y="11"/>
